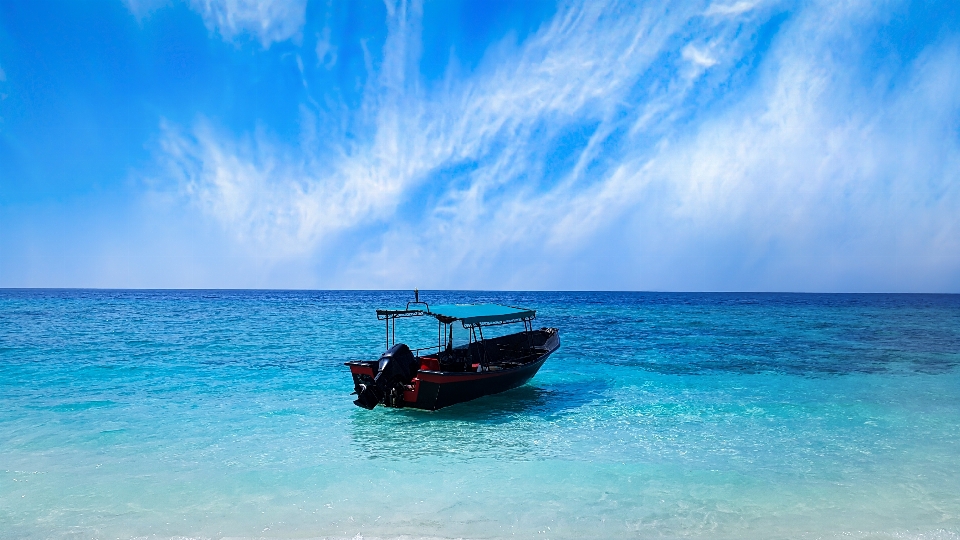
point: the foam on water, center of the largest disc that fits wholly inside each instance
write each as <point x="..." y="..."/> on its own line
<point x="227" y="414"/>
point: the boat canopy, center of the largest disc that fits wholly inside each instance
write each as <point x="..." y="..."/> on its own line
<point x="474" y="314"/>
<point x="468" y="314"/>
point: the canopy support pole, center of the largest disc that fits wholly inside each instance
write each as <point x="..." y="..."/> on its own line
<point x="483" y="347"/>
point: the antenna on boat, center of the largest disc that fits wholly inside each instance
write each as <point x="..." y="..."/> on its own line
<point x="416" y="300"/>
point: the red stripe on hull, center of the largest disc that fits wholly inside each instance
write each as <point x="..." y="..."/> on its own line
<point x="445" y="377"/>
<point x="438" y="390"/>
<point x="432" y="389"/>
<point x="361" y="370"/>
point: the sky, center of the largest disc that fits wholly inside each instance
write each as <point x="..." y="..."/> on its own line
<point x="719" y="145"/>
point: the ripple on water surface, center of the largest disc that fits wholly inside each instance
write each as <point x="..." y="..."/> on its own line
<point x="213" y="413"/>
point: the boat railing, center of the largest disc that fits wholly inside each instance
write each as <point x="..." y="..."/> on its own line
<point x="387" y="314"/>
<point x="416" y="352"/>
<point x="527" y="323"/>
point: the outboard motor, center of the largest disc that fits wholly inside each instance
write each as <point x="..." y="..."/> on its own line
<point x="397" y="367"/>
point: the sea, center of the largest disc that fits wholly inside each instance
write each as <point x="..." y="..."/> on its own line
<point x="227" y="414"/>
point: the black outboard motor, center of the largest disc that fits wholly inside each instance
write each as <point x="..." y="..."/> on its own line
<point x="397" y="368"/>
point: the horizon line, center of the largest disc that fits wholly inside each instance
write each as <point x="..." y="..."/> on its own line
<point x="638" y="291"/>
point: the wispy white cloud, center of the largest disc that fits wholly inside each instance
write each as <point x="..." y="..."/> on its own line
<point x="802" y="177"/>
<point x="697" y="56"/>
<point x="326" y="51"/>
<point x="142" y="9"/>
<point x="732" y="8"/>
<point x="417" y="134"/>
<point x="268" y="21"/>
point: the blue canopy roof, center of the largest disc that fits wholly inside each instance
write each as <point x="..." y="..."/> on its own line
<point x="481" y="313"/>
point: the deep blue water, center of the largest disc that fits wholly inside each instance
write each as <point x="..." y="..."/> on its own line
<point x="227" y="414"/>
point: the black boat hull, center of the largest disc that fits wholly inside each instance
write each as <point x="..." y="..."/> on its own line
<point x="435" y="389"/>
<point x="438" y="389"/>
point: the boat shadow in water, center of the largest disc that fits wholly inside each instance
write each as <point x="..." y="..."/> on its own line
<point x="528" y="400"/>
<point x="491" y="426"/>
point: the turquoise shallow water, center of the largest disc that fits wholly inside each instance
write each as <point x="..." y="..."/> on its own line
<point x="208" y="414"/>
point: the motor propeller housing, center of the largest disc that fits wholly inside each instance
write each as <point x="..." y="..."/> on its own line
<point x="397" y="367"/>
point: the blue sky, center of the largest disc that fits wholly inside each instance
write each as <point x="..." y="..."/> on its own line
<point x="740" y="145"/>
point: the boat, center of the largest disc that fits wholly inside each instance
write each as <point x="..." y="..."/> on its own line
<point x="445" y="374"/>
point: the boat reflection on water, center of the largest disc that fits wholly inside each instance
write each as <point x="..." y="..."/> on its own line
<point x="440" y="375"/>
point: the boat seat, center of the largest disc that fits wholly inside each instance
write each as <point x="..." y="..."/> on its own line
<point x="429" y="364"/>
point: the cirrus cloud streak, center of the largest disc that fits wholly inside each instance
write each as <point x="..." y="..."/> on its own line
<point x="663" y="146"/>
